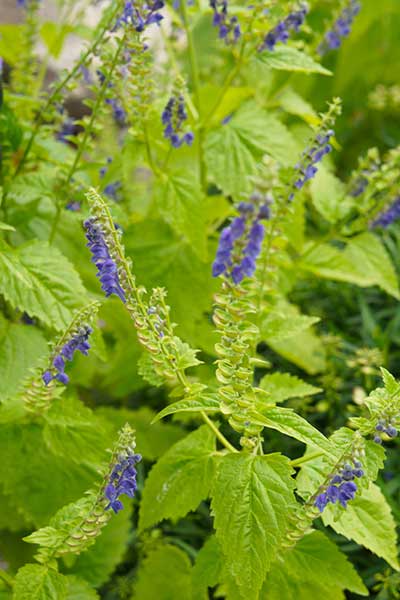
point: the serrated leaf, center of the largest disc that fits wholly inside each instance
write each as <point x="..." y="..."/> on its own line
<point x="287" y="58"/>
<point x="391" y="384"/>
<point x="96" y="564"/>
<point x="277" y="327"/>
<point x="328" y="194"/>
<point x="50" y="537"/>
<point x="38" y="582"/>
<point x="180" y="480"/>
<point x="314" y="561"/>
<point x="368" y="521"/>
<point x="181" y="204"/>
<point x="290" y="423"/>
<point x="207" y="404"/>
<point x="363" y="262"/>
<point x="186" y="355"/>
<point x="252" y="502"/>
<point x="21" y="347"/>
<point x="39" y="280"/>
<point x="282" y="386"/>
<point x="207" y="568"/>
<point x="249" y="134"/>
<point x="166" y="574"/>
<point x="79" y="589"/>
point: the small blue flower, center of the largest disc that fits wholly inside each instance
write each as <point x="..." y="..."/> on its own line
<point x="341" y="487"/>
<point x="173" y="117"/>
<point x="79" y="341"/>
<point x="281" y="32"/>
<point x="141" y="14"/>
<point x="341" y="28"/>
<point x="119" y="113"/>
<point x="229" y="27"/>
<point x="122" y="480"/>
<point x="107" y="270"/>
<point x="388" y="217"/>
<point x="67" y="129"/>
<point x="385" y="425"/>
<point x="240" y="242"/>
<point x="311" y="157"/>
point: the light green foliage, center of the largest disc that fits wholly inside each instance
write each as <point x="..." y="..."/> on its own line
<point x="38" y="582"/>
<point x="166" y="574"/>
<point x="207" y="569"/>
<point x="328" y="196"/>
<point x="39" y="280"/>
<point x="180" y="480"/>
<point x="282" y="386"/>
<point x="252" y="501"/>
<point x="286" y="58"/>
<point x="316" y="563"/>
<point x="208" y="404"/>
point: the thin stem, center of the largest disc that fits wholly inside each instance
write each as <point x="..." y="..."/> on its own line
<point x="196" y="91"/>
<point x="218" y="434"/>
<point x="149" y="153"/>
<point x="8" y="580"/>
<point x="306" y="458"/>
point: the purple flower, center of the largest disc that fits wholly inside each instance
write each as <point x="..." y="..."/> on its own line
<point x="67" y="128"/>
<point x="281" y="32"/>
<point x="107" y="270"/>
<point x="240" y="242"/>
<point x="173" y="117"/>
<point x="388" y="217"/>
<point x="311" y="157"/>
<point x="79" y="341"/>
<point x="122" y="480"/>
<point x="119" y="113"/>
<point x="385" y="425"/>
<point x="141" y="14"/>
<point x="229" y="27"/>
<point x="341" y="487"/>
<point x="341" y="28"/>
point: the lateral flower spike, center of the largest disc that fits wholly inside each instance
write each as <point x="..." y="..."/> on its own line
<point x="74" y="338"/>
<point x="76" y="526"/>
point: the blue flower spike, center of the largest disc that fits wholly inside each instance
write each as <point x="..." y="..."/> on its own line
<point x="342" y="486"/>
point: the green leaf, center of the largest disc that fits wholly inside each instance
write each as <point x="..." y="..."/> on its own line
<point x="78" y="589"/>
<point x="166" y="574"/>
<point x="277" y="327"/>
<point x="207" y="568"/>
<point x="96" y="564"/>
<point x="286" y="58"/>
<point x="252" y="502"/>
<point x="314" y="561"/>
<point x="180" y="480"/>
<point x="282" y="386"/>
<point x="186" y="354"/>
<point x="207" y="404"/>
<point x="363" y="262"/>
<point x="328" y="194"/>
<point x="368" y="521"/>
<point x="181" y="204"/>
<point x="38" y="582"/>
<point x="295" y="104"/>
<point x="152" y="440"/>
<point x="39" y="280"/>
<point x="21" y="347"/>
<point x="53" y="35"/>
<point x="290" y="423"/>
<point x="251" y="133"/>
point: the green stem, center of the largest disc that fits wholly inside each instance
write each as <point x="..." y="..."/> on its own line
<point x="217" y="432"/>
<point x="149" y="153"/>
<point x="306" y="458"/>
<point x="196" y="91"/>
<point x="8" y="580"/>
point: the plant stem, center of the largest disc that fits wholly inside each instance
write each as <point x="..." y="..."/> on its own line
<point x="217" y="432"/>
<point x="306" y="458"/>
<point x="8" y="580"/>
<point x="196" y="91"/>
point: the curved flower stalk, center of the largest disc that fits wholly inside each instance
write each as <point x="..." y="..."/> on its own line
<point x="76" y="526"/>
<point x="360" y="178"/>
<point x="320" y="146"/>
<point x="75" y="338"/>
<point x="173" y="117"/>
<point x="281" y="32"/>
<point x="341" y="27"/>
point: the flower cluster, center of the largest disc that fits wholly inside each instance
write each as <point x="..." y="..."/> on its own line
<point x="79" y="341"/>
<point x="341" y="28"/>
<point x="390" y="215"/>
<point x="311" y="156"/>
<point x="107" y="270"/>
<point x="385" y="425"/>
<point x="281" y="32"/>
<point x="240" y="242"/>
<point x="111" y="189"/>
<point x="122" y="480"/>
<point x="173" y="117"/>
<point x="342" y="487"/>
<point x="229" y="28"/>
<point x="118" y="111"/>
<point x="141" y="14"/>
<point x="68" y="128"/>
